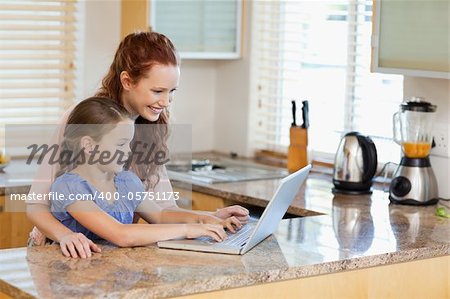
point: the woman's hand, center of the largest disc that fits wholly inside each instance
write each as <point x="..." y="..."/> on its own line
<point x="229" y="223"/>
<point x="214" y="231"/>
<point x="237" y="211"/>
<point x="77" y="245"/>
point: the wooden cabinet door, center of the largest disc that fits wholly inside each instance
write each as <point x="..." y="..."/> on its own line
<point x="5" y="225"/>
<point x="14" y="227"/>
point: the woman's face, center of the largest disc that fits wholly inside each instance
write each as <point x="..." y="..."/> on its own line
<point x="153" y="93"/>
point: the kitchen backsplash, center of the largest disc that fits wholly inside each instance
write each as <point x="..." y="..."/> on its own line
<point x="436" y="91"/>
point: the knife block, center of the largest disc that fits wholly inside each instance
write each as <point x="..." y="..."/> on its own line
<point x="297" y="157"/>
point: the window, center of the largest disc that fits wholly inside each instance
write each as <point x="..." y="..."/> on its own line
<point x="319" y="51"/>
<point x="37" y="52"/>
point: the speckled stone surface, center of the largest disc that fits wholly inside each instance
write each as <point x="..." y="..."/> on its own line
<point x="348" y="232"/>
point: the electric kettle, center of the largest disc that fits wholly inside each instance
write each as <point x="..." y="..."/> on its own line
<point x="355" y="164"/>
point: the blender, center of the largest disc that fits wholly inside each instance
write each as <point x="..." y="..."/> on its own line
<point x="414" y="182"/>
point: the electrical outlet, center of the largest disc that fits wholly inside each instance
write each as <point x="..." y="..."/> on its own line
<point x="441" y="137"/>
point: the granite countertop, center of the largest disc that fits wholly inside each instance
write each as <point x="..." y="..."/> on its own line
<point x="340" y="233"/>
<point x="17" y="177"/>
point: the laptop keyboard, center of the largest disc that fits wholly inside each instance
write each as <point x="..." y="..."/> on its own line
<point x="239" y="237"/>
<point x="235" y="239"/>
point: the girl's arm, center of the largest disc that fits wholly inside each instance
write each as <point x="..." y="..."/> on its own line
<point x="92" y="217"/>
<point x="152" y="213"/>
<point x="71" y="244"/>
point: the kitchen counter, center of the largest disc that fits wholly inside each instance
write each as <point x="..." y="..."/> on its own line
<point x="17" y="177"/>
<point x="340" y="233"/>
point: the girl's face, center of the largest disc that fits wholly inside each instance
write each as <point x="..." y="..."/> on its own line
<point x="153" y="93"/>
<point x="115" y="147"/>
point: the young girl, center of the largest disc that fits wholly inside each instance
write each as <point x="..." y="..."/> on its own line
<point x="98" y="198"/>
<point x="142" y="78"/>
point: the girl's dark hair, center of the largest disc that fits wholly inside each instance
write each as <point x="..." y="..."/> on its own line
<point x="93" y="117"/>
<point x="137" y="54"/>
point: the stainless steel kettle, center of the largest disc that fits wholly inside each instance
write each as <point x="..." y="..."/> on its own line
<point x="355" y="164"/>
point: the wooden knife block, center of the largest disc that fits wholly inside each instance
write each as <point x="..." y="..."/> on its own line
<point x="297" y="153"/>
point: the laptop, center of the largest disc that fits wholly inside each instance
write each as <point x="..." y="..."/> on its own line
<point x="254" y="231"/>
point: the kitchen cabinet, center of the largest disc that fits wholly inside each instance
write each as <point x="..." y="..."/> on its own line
<point x="14" y="227"/>
<point x="4" y="296"/>
<point x="411" y="38"/>
<point x="202" y="201"/>
<point x="200" y="29"/>
<point x="401" y="281"/>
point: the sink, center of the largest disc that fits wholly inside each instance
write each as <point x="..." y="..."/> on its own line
<point x="221" y="171"/>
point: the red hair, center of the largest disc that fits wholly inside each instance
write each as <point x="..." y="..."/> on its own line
<point x="136" y="55"/>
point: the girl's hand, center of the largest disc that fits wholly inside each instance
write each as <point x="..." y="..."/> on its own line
<point x="214" y="231"/>
<point x="76" y="244"/>
<point x="229" y="223"/>
<point x="241" y="213"/>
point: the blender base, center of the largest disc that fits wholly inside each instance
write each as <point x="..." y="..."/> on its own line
<point x="414" y="183"/>
<point x="414" y="202"/>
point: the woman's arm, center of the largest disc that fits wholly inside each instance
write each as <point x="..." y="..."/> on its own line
<point x="152" y="213"/>
<point x="41" y="216"/>
<point x="71" y="244"/>
<point x="88" y="214"/>
<point x="164" y="185"/>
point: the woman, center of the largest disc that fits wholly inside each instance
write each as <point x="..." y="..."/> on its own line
<point x="142" y="78"/>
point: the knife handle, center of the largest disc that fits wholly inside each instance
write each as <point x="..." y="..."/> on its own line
<point x="305" y="114"/>
<point x="294" y="111"/>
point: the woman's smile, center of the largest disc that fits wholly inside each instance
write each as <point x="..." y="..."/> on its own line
<point x="156" y="110"/>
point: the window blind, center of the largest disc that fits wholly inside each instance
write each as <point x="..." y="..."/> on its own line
<point x="319" y="51"/>
<point x="37" y="52"/>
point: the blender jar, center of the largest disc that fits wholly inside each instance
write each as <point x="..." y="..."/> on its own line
<point x="413" y="126"/>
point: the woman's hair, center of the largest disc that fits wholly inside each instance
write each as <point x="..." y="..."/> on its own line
<point x="137" y="54"/>
<point x="93" y="117"/>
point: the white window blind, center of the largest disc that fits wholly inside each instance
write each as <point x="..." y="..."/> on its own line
<point x="37" y="52"/>
<point x="319" y="51"/>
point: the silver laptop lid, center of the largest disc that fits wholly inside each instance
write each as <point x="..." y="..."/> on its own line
<point x="277" y="207"/>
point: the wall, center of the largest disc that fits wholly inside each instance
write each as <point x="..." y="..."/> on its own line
<point x="232" y="109"/>
<point x="436" y="91"/>
<point x="195" y="101"/>
<point x="98" y="39"/>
